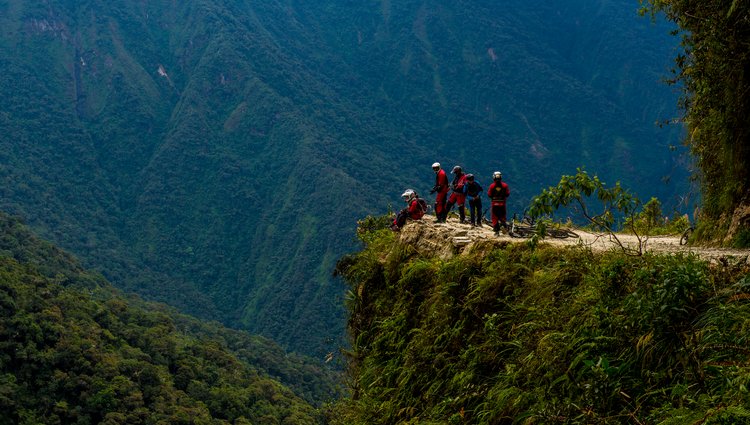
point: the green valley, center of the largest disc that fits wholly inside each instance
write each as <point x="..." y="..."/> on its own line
<point x="215" y="155"/>
<point x="75" y="350"/>
<point x="181" y="182"/>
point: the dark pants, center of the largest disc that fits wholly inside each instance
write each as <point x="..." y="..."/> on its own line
<point x="401" y="218"/>
<point x="440" y="201"/>
<point x="475" y="210"/>
<point x="498" y="216"/>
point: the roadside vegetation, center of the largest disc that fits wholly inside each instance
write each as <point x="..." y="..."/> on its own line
<point x="528" y="333"/>
<point x="608" y="210"/>
<point x="712" y="74"/>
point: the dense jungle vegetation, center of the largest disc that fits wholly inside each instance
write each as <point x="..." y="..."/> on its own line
<point x="536" y="334"/>
<point x="528" y="333"/>
<point x="215" y="155"/>
<point x="73" y="350"/>
<point x="714" y="72"/>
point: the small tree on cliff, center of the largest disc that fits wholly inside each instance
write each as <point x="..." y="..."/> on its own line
<point x="612" y="205"/>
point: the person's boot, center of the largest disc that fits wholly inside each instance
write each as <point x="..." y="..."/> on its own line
<point x="461" y="214"/>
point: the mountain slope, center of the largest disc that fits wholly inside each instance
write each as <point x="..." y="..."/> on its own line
<point x="76" y="351"/>
<point x="215" y="155"/>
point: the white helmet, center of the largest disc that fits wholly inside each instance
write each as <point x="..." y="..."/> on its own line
<point x="408" y="195"/>
<point x="497" y="175"/>
<point x="436" y="166"/>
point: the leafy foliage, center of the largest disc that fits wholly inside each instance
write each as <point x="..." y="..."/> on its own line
<point x="66" y="358"/>
<point x="613" y="209"/>
<point x="712" y="71"/>
<point x="74" y="350"/>
<point x="652" y="221"/>
<point x="613" y="205"/>
<point x="548" y="335"/>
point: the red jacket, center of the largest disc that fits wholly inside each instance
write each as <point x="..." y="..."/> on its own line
<point x="441" y="182"/>
<point x="498" y="192"/>
<point x="458" y="183"/>
<point x="416" y="211"/>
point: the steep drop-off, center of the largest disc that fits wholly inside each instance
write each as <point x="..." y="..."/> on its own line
<point x="523" y="333"/>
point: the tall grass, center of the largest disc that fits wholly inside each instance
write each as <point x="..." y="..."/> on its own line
<point x="545" y="335"/>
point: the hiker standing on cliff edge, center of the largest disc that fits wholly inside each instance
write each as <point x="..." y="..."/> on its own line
<point x="457" y="196"/>
<point x="498" y="193"/>
<point x="473" y="191"/>
<point x="441" y="187"/>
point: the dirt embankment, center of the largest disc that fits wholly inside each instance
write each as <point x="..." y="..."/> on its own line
<point x="452" y="238"/>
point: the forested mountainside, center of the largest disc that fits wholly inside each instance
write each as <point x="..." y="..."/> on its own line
<point x="216" y="154"/>
<point x="532" y="333"/>
<point x="74" y="350"/>
<point x="713" y="73"/>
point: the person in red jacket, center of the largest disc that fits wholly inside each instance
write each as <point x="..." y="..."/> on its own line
<point x="441" y="187"/>
<point x="415" y="209"/>
<point x="457" y="196"/>
<point x="498" y="193"/>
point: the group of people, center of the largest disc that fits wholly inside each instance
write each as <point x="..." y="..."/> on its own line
<point x="462" y="187"/>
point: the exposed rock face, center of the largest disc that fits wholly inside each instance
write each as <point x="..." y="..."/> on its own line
<point x="445" y="240"/>
<point x="740" y="220"/>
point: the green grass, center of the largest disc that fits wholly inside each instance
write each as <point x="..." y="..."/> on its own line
<point x="544" y="335"/>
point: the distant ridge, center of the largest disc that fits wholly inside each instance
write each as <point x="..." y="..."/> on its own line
<point x="216" y="155"/>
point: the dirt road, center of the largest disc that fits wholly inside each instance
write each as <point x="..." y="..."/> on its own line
<point x="443" y="236"/>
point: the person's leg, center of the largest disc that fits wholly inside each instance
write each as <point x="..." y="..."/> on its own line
<point x="496" y="217"/>
<point x="478" y="207"/>
<point x="448" y="208"/>
<point x="471" y="212"/>
<point x="401" y="218"/>
<point x="440" y="205"/>
<point x="394" y="225"/>
<point x="501" y="216"/>
<point x="461" y="199"/>
<point x="449" y="205"/>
